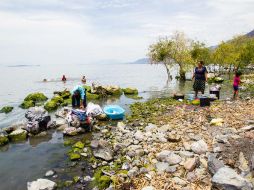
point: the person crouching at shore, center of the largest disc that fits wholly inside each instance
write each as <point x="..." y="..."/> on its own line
<point x="78" y="97"/>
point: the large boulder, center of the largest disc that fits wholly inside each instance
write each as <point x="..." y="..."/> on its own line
<point x="41" y="184"/>
<point x="114" y="90"/>
<point x="227" y="179"/>
<point x="18" y="135"/>
<point x="70" y="131"/>
<point x="32" y="99"/>
<point x="38" y="120"/>
<point x="130" y="90"/>
<point x="36" y="97"/>
<point x="103" y="150"/>
<point x="6" y="109"/>
<point x="54" y="103"/>
<point x="3" y="138"/>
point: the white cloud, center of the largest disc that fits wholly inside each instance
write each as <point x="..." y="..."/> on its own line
<point x="63" y="31"/>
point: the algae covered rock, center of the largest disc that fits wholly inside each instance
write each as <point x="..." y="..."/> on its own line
<point x="32" y="99"/>
<point x="6" y="109"/>
<point x="36" y="97"/>
<point x="74" y="156"/>
<point x="114" y="90"/>
<point x="104" y="182"/>
<point x="130" y="90"/>
<point x="54" y="103"/>
<point x="79" y="145"/>
<point x="51" y="105"/>
<point x="3" y="138"/>
<point x="18" y="135"/>
<point x="87" y="88"/>
<point x="27" y="104"/>
<point x="90" y="96"/>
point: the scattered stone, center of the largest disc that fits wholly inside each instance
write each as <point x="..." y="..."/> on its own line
<point x="161" y="166"/>
<point x="62" y="127"/>
<point x="59" y="122"/>
<point x="186" y="154"/>
<point x="79" y="145"/>
<point x="148" y="188"/>
<point x="41" y="184"/>
<point x="144" y="170"/>
<point x="199" y="147"/>
<point x="18" y="135"/>
<point x="103" y="151"/>
<point x="186" y="146"/>
<point x="191" y="164"/>
<point x="243" y="163"/>
<point x="173" y="159"/>
<point x="227" y="178"/>
<point x="217" y="122"/>
<point x="6" y="109"/>
<point x="174" y="138"/>
<point x="87" y="178"/>
<point x="139" y="135"/>
<point x="171" y="169"/>
<point x="49" y="173"/>
<point x="247" y="128"/>
<point x="3" y="138"/>
<point x="150" y="128"/>
<point x="179" y="181"/>
<point x="132" y="173"/>
<point x="214" y="164"/>
<point x="74" y="156"/>
<point x="70" y="131"/>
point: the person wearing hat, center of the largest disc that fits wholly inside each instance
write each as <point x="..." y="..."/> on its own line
<point x="78" y="97"/>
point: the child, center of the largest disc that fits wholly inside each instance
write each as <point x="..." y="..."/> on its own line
<point x="236" y="83"/>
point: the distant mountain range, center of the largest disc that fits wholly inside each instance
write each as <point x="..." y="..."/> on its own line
<point x="140" y="61"/>
<point x="250" y="34"/>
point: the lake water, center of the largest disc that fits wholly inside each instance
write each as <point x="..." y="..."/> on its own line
<point x="30" y="160"/>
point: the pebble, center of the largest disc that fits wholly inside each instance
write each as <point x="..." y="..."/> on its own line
<point x="191" y="164"/>
<point x="148" y="188"/>
<point x="199" y="147"/>
<point x="49" y="173"/>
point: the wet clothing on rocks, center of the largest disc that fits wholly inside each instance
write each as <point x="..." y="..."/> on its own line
<point x="78" y="93"/>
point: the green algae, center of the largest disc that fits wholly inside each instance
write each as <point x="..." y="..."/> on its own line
<point x="6" y="109"/>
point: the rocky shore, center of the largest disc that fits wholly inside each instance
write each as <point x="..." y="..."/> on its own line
<point x="185" y="147"/>
<point x="162" y="144"/>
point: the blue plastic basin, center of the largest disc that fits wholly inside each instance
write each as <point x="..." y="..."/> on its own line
<point x="114" y="112"/>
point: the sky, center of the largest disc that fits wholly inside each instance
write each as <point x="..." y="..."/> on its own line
<point x="96" y="31"/>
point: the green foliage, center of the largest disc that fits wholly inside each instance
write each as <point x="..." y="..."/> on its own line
<point x="200" y="52"/>
<point x="173" y="50"/>
<point x="6" y="109"/>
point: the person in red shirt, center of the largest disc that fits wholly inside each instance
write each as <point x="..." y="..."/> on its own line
<point x="236" y="83"/>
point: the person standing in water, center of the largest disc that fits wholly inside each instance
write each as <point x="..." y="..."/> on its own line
<point x="83" y="80"/>
<point x="200" y="76"/>
<point x="64" y="78"/>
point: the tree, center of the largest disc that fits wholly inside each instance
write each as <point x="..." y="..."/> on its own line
<point x="174" y="50"/>
<point x="200" y="52"/>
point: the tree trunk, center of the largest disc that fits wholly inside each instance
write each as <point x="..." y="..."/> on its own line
<point x="182" y="74"/>
<point x="168" y="71"/>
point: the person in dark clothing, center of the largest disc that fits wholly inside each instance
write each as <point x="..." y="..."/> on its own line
<point x="200" y="76"/>
<point x="78" y="97"/>
<point x="64" y="78"/>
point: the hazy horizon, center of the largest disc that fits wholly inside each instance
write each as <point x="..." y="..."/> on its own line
<point x="93" y="31"/>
